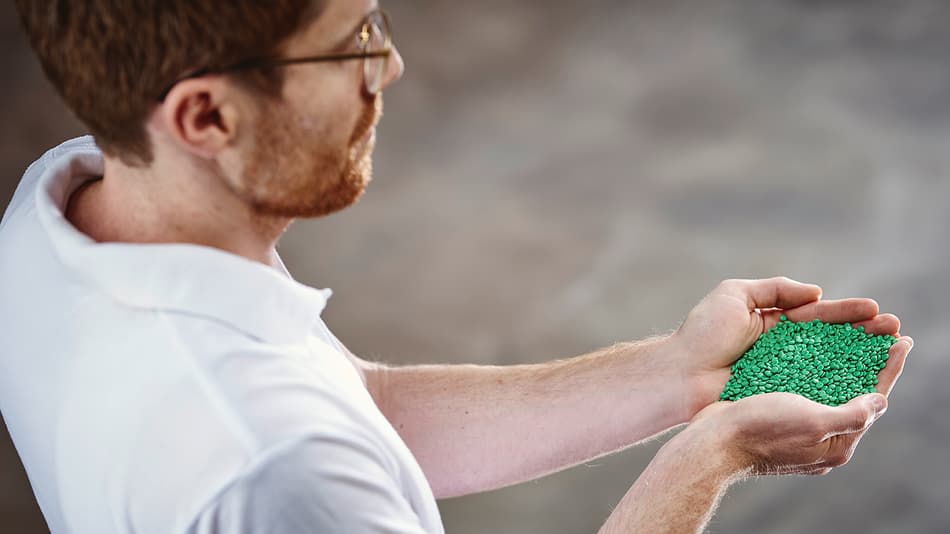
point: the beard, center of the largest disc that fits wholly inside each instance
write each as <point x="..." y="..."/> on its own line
<point x="291" y="172"/>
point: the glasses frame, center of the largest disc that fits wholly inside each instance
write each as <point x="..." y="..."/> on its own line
<point x="265" y="62"/>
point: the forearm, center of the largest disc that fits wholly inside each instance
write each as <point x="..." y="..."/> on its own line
<point x="476" y="428"/>
<point x="680" y="489"/>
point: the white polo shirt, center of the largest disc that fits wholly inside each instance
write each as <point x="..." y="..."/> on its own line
<point x="176" y="388"/>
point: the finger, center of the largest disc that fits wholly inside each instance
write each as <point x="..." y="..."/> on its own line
<point x="883" y="324"/>
<point x="828" y="311"/>
<point x="778" y="292"/>
<point x="854" y="416"/>
<point x="894" y="366"/>
<point x="841" y="448"/>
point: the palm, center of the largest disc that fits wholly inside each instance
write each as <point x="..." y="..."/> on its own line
<point x="784" y="433"/>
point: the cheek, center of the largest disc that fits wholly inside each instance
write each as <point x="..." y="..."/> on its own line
<point x="327" y="102"/>
<point x="329" y="127"/>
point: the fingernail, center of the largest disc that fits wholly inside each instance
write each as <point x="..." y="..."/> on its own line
<point x="878" y="402"/>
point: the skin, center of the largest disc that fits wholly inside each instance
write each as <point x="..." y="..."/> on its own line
<point x="233" y="170"/>
<point x="770" y="434"/>
<point x="544" y="417"/>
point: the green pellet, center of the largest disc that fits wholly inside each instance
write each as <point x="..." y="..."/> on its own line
<point x="828" y="363"/>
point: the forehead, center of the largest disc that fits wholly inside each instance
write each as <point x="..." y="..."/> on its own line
<point x="337" y="21"/>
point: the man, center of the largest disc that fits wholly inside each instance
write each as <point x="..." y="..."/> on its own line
<point x="162" y="372"/>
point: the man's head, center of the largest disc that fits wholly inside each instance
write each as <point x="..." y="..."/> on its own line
<point x="290" y="140"/>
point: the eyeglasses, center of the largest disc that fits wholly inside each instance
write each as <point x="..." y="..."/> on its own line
<point x="374" y="45"/>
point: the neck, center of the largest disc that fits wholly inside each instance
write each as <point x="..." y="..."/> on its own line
<point x="143" y="206"/>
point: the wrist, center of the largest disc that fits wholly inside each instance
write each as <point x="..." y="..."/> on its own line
<point x="700" y="386"/>
<point x="657" y="363"/>
<point x="711" y="442"/>
<point x="695" y="393"/>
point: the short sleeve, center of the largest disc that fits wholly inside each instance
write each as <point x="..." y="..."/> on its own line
<point x="324" y="484"/>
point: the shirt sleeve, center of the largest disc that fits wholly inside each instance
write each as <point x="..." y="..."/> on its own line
<point x="324" y="484"/>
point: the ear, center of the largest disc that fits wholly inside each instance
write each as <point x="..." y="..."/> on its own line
<point x="202" y="115"/>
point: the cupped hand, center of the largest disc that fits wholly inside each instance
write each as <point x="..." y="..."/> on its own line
<point x="784" y="433"/>
<point x="723" y="326"/>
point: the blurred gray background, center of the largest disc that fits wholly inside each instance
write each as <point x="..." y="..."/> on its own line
<point x="555" y="176"/>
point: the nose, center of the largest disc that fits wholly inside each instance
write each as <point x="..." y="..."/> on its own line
<point x="395" y="69"/>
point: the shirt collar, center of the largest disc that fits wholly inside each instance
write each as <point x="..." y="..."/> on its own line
<point x="173" y="277"/>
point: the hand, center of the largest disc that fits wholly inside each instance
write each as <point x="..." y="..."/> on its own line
<point x="723" y="326"/>
<point x="784" y="433"/>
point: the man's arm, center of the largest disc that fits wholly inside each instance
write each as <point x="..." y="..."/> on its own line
<point x="475" y="428"/>
<point x="769" y="434"/>
<point x="680" y="489"/>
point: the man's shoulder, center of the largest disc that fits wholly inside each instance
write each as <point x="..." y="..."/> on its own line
<point x="266" y="426"/>
<point x="187" y="405"/>
<point x="311" y="485"/>
<point x="176" y="367"/>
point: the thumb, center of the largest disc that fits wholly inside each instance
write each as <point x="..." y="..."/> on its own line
<point x="711" y="410"/>
<point x="856" y="415"/>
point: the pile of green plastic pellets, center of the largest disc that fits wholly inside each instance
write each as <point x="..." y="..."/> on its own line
<point x="828" y="363"/>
